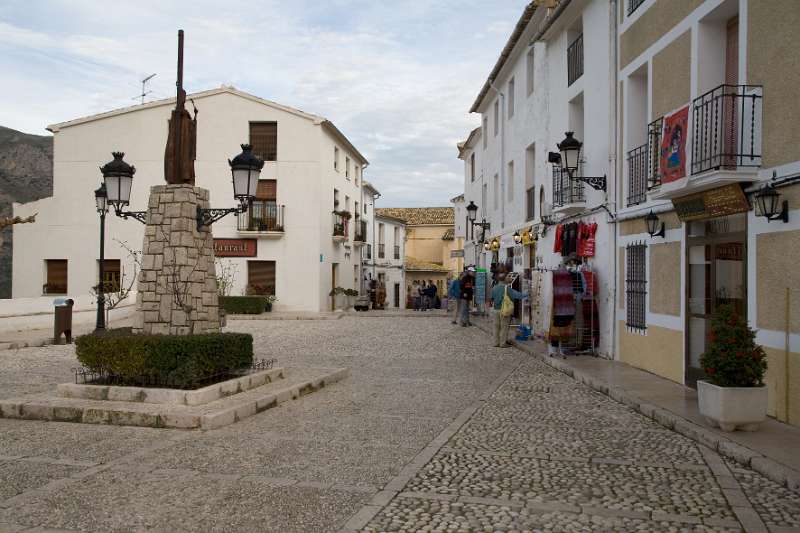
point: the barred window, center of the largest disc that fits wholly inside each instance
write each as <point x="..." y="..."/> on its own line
<point x="264" y="139"/>
<point x="636" y="286"/>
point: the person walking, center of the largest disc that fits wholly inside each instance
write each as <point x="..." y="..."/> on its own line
<point x="465" y="298"/>
<point x="502" y="317"/>
<point x="432" y="294"/>
<point x="454" y="295"/>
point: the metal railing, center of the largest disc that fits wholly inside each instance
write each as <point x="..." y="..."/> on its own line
<point x="565" y="190"/>
<point x="727" y="128"/>
<point x="654" y="152"/>
<point x="397" y="251"/>
<point x="340" y="225"/>
<point x="262" y="216"/>
<point x="530" y="203"/>
<point x="368" y="252"/>
<point x="633" y="5"/>
<point x="575" y="60"/>
<point x="638" y="166"/>
<point x="361" y="231"/>
<point x="381" y="251"/>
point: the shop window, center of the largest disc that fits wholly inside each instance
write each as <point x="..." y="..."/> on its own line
<point x="55" y="276"/>
<point x="261" y="278"/>
<point x="636" y="286"/>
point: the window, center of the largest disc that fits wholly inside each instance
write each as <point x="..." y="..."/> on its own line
<point x="511" y="98"/>
<point x="472" y="166"/>
<point x="485" y="131"/>
<point x="496" y="194"/>
<point x="264" y="213"/>
<point x="636" y="286"/>
<point x="530" y="203"/>
<point x="529" y="80"/>
<point x="356" y="170"/>
<point x="111" y="274"/>
<point x="381" y="241"/>
<point x="484" y="196"/>
<point x="335" y="198"/>
<point x="347" y="167"/>
<point x="336" y="158"/>
<point x="511" y="181"/>
<point x="496" y="117"/>
<point x="369" y="251"/>
<point x="365" y="209"/>
<point x="261" y="278"/>
<point x="55" y="276"/>
<point x="575" y="60"/>
<point x="264" y="140"/>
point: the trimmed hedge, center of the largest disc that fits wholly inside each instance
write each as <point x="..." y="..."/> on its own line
<point x="243" y="305"/>
<point x="179" y="361"/>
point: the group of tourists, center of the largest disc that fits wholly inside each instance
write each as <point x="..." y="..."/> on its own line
<point x="461" y="292"/>
<point x="425" y="295"/>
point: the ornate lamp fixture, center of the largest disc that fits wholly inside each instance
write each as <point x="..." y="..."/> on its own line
<point x="472" y="213"/>
<point x="768" y="204"/>
<point x="517" y="237"/>
<point x="652" y="225"/>
<point x="570" y="150"/>
<point x="245" y="171"/>
<point x="117" y="182"/>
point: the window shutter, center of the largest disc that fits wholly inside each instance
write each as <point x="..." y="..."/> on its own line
<point x="262" y="274"/>
<point x="267" y="190"/>
<point x="264" y="140"/>
<point x="56" y="276"/>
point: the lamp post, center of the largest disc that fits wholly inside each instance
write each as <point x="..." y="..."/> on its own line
<point x="570" y="150"/>
<point x="101" y="200"/>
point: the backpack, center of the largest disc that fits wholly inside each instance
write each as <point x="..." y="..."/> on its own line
<point x="507" y="308"/>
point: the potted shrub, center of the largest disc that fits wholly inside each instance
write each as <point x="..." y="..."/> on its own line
<point x="351" y="297"/>
<point x="734" y="396"/>
<point x="268" y="301"/>
<point x="338" y="298"/>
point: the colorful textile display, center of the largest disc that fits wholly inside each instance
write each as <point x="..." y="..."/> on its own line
<point x="557" y="242"/>
<point x="586" y="239"/>
<point x="673" y="146"/>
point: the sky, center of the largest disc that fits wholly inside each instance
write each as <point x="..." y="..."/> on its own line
<point x="397" y="77"/>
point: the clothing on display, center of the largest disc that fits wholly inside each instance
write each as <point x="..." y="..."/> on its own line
<point x="574" y="322"/>
<point x="575" y="238"/>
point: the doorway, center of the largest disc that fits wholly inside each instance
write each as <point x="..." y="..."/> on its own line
<point x="717" y="275"/>
<point x="334" y="272"/>
<point x="397" y="295"/>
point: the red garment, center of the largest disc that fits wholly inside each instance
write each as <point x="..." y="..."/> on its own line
<point x="586" y="239"/>
<point x="558" y="242"/>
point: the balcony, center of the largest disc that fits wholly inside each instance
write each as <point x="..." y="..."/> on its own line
<point x="568" y="195"/>
<point x="381" y="251"/>
<point x="361" y="232"/>
<point x="397" y="251"/>
<point x="340" y="227"/>
<point x="644" y="170"/>
<point x="727" y="128"/>
<point x="262" y="217"/>
<point x="575" y="60"/>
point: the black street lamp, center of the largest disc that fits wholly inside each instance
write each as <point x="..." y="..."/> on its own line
<point x="101" y="200"/>
<point x="245" y="171"/>
<point x="118" y="182"/>
<point x="517" y="237"/>
<point x="768" y="204"/>
<point x="652" y="225"/>
<point x="570" y="151"/>
<point x="472" y="213"/>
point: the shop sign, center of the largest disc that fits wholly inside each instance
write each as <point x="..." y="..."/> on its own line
<point x="456" y="253"/>
<point x="235" y="247"/>
<point x="727" y="200"/>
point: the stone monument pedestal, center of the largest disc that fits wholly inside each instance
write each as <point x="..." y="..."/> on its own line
<point x="177" y="286"/>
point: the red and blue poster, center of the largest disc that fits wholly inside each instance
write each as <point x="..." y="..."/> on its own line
<point x="673" y="146"/>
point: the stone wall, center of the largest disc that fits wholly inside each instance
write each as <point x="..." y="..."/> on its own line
<point x="177" y="291"/>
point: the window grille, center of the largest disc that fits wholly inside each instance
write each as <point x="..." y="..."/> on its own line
<point x="633" y="5"/>
<point x="575" y="60"/>
<point x="636" y="286"/>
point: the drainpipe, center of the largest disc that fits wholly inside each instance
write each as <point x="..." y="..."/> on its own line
<point x="612" y="158"/>
<point x="502" y="118"/>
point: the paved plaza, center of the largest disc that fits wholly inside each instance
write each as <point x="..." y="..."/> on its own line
<point x="434" y="430"/>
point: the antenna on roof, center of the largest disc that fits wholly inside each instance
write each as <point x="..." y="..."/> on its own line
<point x="144" y="83"/>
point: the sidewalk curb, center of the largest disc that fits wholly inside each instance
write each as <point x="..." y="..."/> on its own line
<point x="769" y="468"/>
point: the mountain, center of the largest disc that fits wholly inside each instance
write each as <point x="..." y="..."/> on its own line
<point x="26" y="174"/>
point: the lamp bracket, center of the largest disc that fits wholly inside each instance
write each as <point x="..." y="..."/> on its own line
<point x="136" y="215"/>
<point x="597" y="183"/>
<point x="206" y="217"/>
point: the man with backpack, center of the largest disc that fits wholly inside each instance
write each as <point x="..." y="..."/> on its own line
<point x="503" y="298"/>
<point x="467" y="285"/>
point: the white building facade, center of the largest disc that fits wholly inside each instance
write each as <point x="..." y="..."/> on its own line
<point x="297" y="241"/>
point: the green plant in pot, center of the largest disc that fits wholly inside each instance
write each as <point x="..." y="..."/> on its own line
<point x="734" y="395"/>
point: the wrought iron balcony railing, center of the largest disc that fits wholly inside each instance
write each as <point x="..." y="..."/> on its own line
<point x="340" y="225"/>
<point x="727" y="128"/>
<point x="638" y="166"/>
<point x="381" y="251"/>
<point x="361" y="231"/>
<point x="397" y="251"/>
<point x="262" y="216"/>
<point x="633" y="5"/>
<point x="565" y="190"/>
<point x="575" y="60"/>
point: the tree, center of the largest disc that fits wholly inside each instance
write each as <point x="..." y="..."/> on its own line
<point x="733" y="359"/>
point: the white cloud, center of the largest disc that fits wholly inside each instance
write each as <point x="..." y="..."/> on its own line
<point x="397" y="78"/>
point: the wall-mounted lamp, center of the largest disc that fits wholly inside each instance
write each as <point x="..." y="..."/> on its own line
<point x="570" y="151"/>
<point x="517" y="237"/>
<point x="768" y="204"/>
<point x="652" y="222"/>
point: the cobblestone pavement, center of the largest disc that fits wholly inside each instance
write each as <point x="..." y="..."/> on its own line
<point x="306" y="465"/>
<point x="433" y="431"/>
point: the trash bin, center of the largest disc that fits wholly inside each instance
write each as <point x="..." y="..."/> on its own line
<point x="62" y="322"/>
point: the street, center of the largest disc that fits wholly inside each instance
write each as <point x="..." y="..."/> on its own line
<point x="433" y="430"/>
